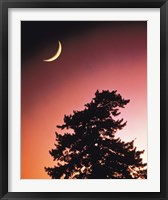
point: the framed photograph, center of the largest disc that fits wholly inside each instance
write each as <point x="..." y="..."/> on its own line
<point x="83" y="99"/>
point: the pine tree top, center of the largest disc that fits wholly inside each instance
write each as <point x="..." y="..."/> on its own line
<point x="92" y="151"/>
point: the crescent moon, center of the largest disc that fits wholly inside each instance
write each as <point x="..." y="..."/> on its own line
<point x="56" y="55"/>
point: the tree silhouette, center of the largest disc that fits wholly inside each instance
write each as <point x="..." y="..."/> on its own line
<point x="92" y="151"/>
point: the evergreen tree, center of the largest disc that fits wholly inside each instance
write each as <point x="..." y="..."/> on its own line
<point x="92" y="151"/>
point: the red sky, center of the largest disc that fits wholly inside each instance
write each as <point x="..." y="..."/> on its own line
<point x="109" y="56"/>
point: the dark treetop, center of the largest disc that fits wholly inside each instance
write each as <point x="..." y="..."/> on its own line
<point x="92" y="151"/>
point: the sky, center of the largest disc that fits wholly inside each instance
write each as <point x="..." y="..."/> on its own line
<point x="95" y="55"/>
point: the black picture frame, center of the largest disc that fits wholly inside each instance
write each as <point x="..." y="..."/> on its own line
<point x="4" y="5"/>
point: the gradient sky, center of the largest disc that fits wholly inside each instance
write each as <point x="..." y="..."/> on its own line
<point x="95" y="55"/>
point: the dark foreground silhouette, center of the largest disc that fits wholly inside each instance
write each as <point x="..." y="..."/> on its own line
<point x="92" y="151"/>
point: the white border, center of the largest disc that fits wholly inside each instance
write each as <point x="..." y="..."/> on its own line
<point x="152" y="16"/>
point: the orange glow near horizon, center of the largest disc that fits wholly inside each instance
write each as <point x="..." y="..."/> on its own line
<point x="103" y="59"/>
